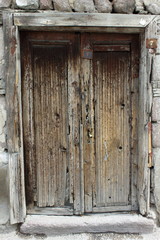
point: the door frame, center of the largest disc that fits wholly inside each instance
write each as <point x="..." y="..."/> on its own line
<point x="144" y="25"/>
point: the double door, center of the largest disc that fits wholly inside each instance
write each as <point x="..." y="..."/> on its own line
<point x="80" y="103"/>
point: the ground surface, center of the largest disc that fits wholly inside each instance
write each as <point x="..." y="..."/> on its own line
<point x="8" y="233"/>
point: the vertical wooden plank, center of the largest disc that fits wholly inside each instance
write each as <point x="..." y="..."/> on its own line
<point x="88" y="123"/>
<point x="134" y="93"/>
<point x="28" y="121"/>
<point x="74" y="109"/>
<point x="14" y="120"/>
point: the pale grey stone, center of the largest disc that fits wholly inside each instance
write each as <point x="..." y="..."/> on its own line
<point x="158" y="44"/>
<point x="156" y="135"/>
<point x="152" y="6"/>
<point x="156" y="160"/>
<point x="27" y="4"/>
<point x="5" y="3"/>
<point x="103" y="6"/>
<point x="2" y="62"/>
<point x="2" y="124"/>
<point x="156" y="68"/>
<point x="139" y="6"/>
<point x="84" y="6"/>
<point x="123" y="6"/>
<point x="156" y="109"/>
<point x="62" y="5"/>
<point x="4" y="206"/>
<point x="58" y="225"/>
<point x="46" y="4"/>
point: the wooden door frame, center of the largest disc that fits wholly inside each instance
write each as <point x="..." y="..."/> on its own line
<point x="144" y="25"/>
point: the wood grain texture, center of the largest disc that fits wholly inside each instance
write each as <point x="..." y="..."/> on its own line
<point x="51" y="119"/>
<point x="49" y="211"/>
<point x="145" y="103"/>
<point x="14" y="120"/>
<point x="50" y="129"/>
<point x="112" y="99"/>
<point x="82" y="19"/>
<point x="87" y="90"/>
<point x="112" y="137"/>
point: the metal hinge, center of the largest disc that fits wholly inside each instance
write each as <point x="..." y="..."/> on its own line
<point x="150" y="163"/>
<point x="151" y="43"/>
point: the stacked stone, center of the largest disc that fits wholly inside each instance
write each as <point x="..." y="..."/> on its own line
<point x="101" y="6"/>
<point x="156" y="127"/>
<point x="4" y="210"/>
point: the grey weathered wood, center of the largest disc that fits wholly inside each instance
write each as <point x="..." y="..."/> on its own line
<point x="83" y="29"/>
<point x="17" y="197"/>
<point x="74" y="117"/>
<point x="112" y="209"/>
<point x="145" y="103"/>
<point x="82" y="19"/>
<point x="88" y="124"/>
<point x="14" y="120"/>
<point x="51" y="211"/>
<point x="134" y="89"/>
<point x="112" y="128"/>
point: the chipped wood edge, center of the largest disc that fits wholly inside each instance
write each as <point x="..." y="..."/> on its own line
<point x="51" y="211"/>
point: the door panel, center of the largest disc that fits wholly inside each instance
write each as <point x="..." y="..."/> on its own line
<point x="112" y="128"/>
<point x="50" y="119"/>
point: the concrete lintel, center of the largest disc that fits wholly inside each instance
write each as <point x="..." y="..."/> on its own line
<point x="97" y="223"/>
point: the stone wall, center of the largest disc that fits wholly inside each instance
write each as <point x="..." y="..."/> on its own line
<point x="156" y="126"/>
<point x="4" y="212"/>
<point x="102" y="6"/>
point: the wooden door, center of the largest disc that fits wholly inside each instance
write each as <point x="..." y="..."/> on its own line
<point x="51" y="121"/>
<point x="110" y="115"/>
<point x="79" y="96"/>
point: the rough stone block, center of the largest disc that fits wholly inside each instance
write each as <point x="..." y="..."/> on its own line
<point x="62" y="5"/>
<point x="103" y="6"/>
<point x="139" y="5"/>
<point x="1" y="54"/>
<point x="58" y="225"/>
<point x="27" y="4"/>
<point x="4" y="209"/>
<point x="123" y="6"/>
<point x="5" y="3"/>
<point x="158" y="43"/>
<point x="2" y="124"/>
<point x="156" y="160"/>
<point x="156" y="68"/>
<point x="156" y="109"/>
<point x="46" y="4"/>
<point x="156" y="135"/>
<point x="84" y="6"/>
<point x="152" y="6"/>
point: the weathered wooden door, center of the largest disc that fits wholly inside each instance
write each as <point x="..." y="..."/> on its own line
<point x="79" y="96"/>
<point x="109" y="108"/>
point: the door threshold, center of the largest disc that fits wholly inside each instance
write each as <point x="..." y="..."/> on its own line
<point x="91" y="223"/>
